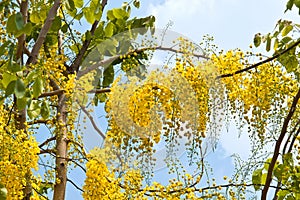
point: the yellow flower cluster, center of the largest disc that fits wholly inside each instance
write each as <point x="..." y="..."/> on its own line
<point x="100" y="182"/>
<point x="103" y="183"/>
<point x="195" y="75"/>
<point x="18" y="156"/>
<point x="258" y="94"/>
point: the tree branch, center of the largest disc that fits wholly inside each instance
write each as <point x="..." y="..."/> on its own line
<point x="21" y="38"/>
<point x="262" y="62"/>
<point x="100" y="91"/>
<point x="43" y="151"/>
<point x="47" y="141"/>
<point x="75" y="65"/>
<point x="92" y="121"/>
<point x="78" y="188"/>
<point x="113" y="58"/>
<point x="43" y="33"/>
<point x="277" y="146"/>
<point x="52" y="93"/>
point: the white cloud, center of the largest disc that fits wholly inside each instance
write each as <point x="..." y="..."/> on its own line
<point x="233" y="143"/>
<point x="233" y="23"/>
<point x="180" y="11"/>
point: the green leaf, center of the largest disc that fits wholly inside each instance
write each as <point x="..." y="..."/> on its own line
<point x="102" y="97"/>
<point x="88" y="15"/>
<point x="110" y="15"/>
<point x="120" y="13"/>
<point x="34" y="109"/>
<point x="3" y="192"/>
<point x="19" y="21"/>
<point x="78" y="3"/>
<point x="257" y="178"/>
<point x="64" y="28"/>
<point x="288" y="159"/>
<point x="96" y="8"/>
<point x="276" y="42"/>
<point x="257" y="40"/>
<point x="281" y="194"/>
<point x="3" y="47"/>
<point x="117" y="13"/>
<point x="268" y="46"/>
<point x="27" y="28"/>
<point x="289" y="60"/>
<point x="70" y="4"/>
<point x="21" y="103"/>
<point x="45" y="110"/>
<point x="10" y="88"/>
<point x="286" y="30"/>
<point x="109" y="29"/>
<point x="297" y="3"/>
<point x="11" y="24"/>
<point x="37" y="87"/>
<point x="34" y="17"/>
<point x="72" y="12"/>
<point x="20" y="88"/>
<point x="136" y="3"/>
<point x="56" y="24"/>
<point x="108" y="76"/>
<point x="289" y="5"/>
<point x="14" y="67"/>
<point x="267" y="163"/>
<point x="7" y="78"/>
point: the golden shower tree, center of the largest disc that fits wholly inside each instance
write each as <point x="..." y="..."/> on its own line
<point x="52" y="73"/>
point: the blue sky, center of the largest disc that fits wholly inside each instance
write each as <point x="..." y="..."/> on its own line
<point x="233" y="23"/>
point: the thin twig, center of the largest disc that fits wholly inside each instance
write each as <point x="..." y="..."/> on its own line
<point x="100" y="91"/>
<point x="77" y="187"/>
<point x="76" y="64"/>
<point x="47" y="141"/>
<point x="92" y="121"/>
<point x="52" y="93"/>
<point x="113" y="58"/>
<point x="262" y="62"/>
<point x="277" y="146"/>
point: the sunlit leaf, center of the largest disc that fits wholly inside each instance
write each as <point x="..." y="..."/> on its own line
<point x="20" y="88"/>
<point x="257" y="178"/>
<point x="37" y="87"/>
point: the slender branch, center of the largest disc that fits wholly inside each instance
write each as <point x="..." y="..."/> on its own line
<point x="236" y="185"/>
<point x="262" y="62"/>
<point x="39" y="121"/>
<point x="80" y="146"/>
<point x="80" y="166"/>
<point x="294" y="140"/>
<point x="47" y="141"/>
<point x="277" y="146"/>
<point x="94" y="91"/>
<point x="38" y="192"/>
<point x="75" y="65"/>
<point x="43" y="33"/>
<point x="176" y="51"/>
<point x="69" y="28"/>
<point x="100" y="91"/>
<point x="21" y="38"/>
<point x="52" y="93"/>
<point x="284" y="152"/>
<point x="92" y="121"/>
<point x="77" y="187"/>
<point x="290" y="135"/>
<point x="44" y="151"/>
<point x="113" y="58"/>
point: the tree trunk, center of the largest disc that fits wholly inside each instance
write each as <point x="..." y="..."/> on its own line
<point x="61" y="151"/>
